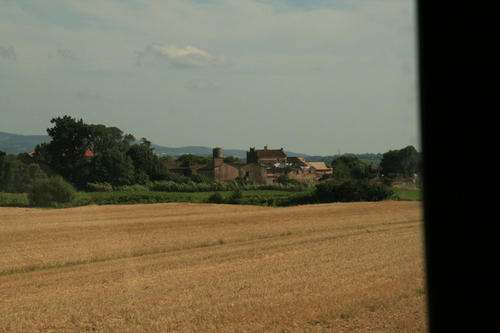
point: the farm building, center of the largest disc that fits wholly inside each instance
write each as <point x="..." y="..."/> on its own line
<point x="263" y="166"/>
<point x="219" y="171"/>
<point x="266" y="156"/>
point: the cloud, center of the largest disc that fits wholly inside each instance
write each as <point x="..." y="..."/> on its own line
<point x="66" y="54"/>
<point x="187" y="57"/>
<point x="7" y="52"/>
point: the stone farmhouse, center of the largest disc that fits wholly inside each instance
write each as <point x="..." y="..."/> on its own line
<point x="263" y="166"/>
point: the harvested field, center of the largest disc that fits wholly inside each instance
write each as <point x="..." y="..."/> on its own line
<point x="181" y="267"/>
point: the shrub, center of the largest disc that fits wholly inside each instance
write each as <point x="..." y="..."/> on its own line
<point x="388" y="181"/>
<point x="352" y="190"/>
<point x="17" y="176"/>
<point x="51" y="192"/>
<point x="285" y="180"/>
<point x="216" y="198"/>
<point x="236" y="196"/>
<point x="201" y="179"/>
<point x="243" y="181"/>
<point x="131" y="188"/>
<point x="99" y="187"/>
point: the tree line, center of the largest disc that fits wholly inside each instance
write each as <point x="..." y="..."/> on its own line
<point x="84" y="154"/>
<point x="405" y="162"/>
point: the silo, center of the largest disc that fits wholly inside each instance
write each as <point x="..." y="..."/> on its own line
<point x="217" y="153"/>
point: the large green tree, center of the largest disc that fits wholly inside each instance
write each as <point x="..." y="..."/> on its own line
<point x="406" y="161"/>
<point x="72" y="140"/>
<point x="112" y="166"/>
<point x="147" y="166"/>
<point x="87" y="153"/>
<point x="349" y="167"/>
<point x="67" y="150"/>
<point x="102" y="138"/>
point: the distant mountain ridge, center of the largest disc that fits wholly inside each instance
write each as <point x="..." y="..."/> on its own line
<point x="17" y="144"/>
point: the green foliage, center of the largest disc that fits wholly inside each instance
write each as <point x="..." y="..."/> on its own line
<point x="16" y="176"/>
<point x="406" y="161"/>
<point x="51" y="192"/>
<point x="13" y="200"/>
<point x="99" y="187"/>
<point x="403" y="194"/>
<point x="285" y="180"/>
<point x="66" y="151"/>
<point x="216" y="198"/>
<point x="113" y="167"/>
<point x="231" y="159"/>
<point x="72" y="139"/>
<point x="352" y="190"/>
<point x="350" y="167"/>
<point x="145" y="142"/>
<point x="147" y="166"/>
<point x="201" y="179"/>
<point x="278" y="198"/>
<point x="165" y="158"/>
<point x="132" y="188"/>
<point x="195" y="159"/>
<point x="388" y="181"/>
<point x="171" y="186"/>
<point x="102" y="138"/>
<point x="136" y="197"/>
<point x="236" y="196"/>
<point x="43" y="153"/>
<point x="177" y="178"/>
<point x="241" y="181"/>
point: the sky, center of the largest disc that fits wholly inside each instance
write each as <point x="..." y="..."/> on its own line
<point x="317" y="77"/>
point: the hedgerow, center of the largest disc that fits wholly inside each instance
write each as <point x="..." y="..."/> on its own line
<point x="351" y="190"/>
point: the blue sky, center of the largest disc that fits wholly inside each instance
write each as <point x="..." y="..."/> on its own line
<point x="313" y="77"/>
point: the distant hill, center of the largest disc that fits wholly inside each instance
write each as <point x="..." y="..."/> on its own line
<point x="16" y="144"/>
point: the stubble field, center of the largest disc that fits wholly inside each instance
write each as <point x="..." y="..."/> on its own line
<point x="183" y="267"/>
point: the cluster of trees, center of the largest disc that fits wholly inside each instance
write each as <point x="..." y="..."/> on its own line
<point x="86" y="153"/>
<point x="16" y="175"/>
<point x="406" y="162"/>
